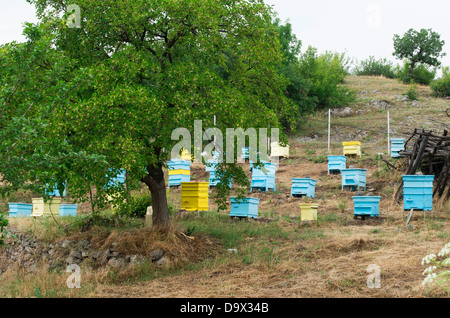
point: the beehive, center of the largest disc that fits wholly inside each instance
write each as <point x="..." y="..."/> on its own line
<point x="352" y="148"/>
<point x="303" y="187"/>
<point x="68" y="209"/>
<point x="20" y="209"/>
<point x="397" y="144"/>
<point x="366" y="206"/>
<point x="41" y="208"/>
<point x="309" y="211"/>
<point x="213" y="181"/>
<point x="354" y="178"/>
<point x="249" y="208"/>
<point x="179" y="171"/>
<point x="245" y="153"/>
<point x="185" y="155"/>
<point x="118" y="179"/>
<point x="194" y="196"/>
<point x="418" y="192"/>
<point x="55" y="192"/>
<point x="263" y="178"/>
<point x="278" y="151"/>
<point x="336" y="164"/>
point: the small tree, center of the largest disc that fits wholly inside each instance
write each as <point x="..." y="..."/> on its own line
<point x="424" y="46"/>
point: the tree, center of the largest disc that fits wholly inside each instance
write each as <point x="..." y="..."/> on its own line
<point x="424" y="46"/>
<point x="140" y="68"/>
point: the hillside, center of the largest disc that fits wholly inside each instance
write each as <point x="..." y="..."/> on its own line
<point x="279" y="255"/>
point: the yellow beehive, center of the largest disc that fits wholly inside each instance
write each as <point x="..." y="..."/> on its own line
<point x="352" y="148"/>
<point x="194" y="196"/>
<point x="278" y="151"/>
<point x="179" y="171"/>
<point x="185" y="155"/>
<point x="309" y="211"/>
<point x="41" y="208"/>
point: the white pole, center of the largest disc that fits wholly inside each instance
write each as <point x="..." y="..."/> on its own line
<point x="388" y="134"/>
<point x="329" y="128"/>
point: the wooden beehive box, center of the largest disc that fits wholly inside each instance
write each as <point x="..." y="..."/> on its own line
<point x="354" y="178"/>
<point x="303" y="187"/>
<point x="263" y="178"/>
<point x="20" y="209"/>
<point x="336" y="164"/>
<point x="68" y="209"/>
<point x="194" y="196"/>
<point x="366" y="206"/>
<point x="278" y="151"/>
<point x="309" y="211"/>
<point x="418" y="192"/>
<point x="244" y="209"/>
<point x="352" y="148"/>
<point x="41" y="208"/>
<point x="397" y="144"/>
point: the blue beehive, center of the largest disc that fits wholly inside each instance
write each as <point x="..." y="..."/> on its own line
<point x="303" y="187"/>
<point x="68" y="209"/>
<point x="245" y="153"/>
<point x="213" y="181"/>
<point x="55" y="192"/>
<point x="20" y="209"/>
<point x="366" y="206"/>
<point x="397" y="144"/>
<point x="336" y="163"/>
<point x="176" y="179"/>
<point x="179" y="165"/>
<point x="249" y="208"/>
<point x="418" y="192"/>
<point x="118" y="179"/>
<point x="354" y="178"/>
<point x="263" y="178"/>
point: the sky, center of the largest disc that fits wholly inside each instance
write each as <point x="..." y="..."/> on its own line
<point x="359" y="28"/>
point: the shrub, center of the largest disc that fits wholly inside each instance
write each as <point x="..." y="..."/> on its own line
<point x="421" y="74"/>
<point x="374" y="67"/>
<point x="438" y="272"/>
<point x="3" y="225"/>
<point x="326" y="73"/>
<point x="441" y="87"/>
<point x="412" y="92"/>
<point x="136" y="206"/>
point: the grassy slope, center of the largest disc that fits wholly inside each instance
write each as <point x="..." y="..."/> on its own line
<point x="284" y="257"/>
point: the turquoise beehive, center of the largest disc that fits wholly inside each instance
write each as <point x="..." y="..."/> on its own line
<point x="176" y="179"/>
<point x="68" y="209"/>
<point x="117" y="179"/>
<point x="245" y="153"/>
<point x="20" y="209"/>
<point x="336" y="164"/>
<point x="397" y="144"/>
<point x="418" y="192"/>
<point x="366" y="206"/>
<point x="354" y="178"/>
<point x="249" y="208"/>
<point x="213" y="181"/>
<point x="263" y="178"/>
<point x="179" y="165"/>
<point x="303" y="187"/>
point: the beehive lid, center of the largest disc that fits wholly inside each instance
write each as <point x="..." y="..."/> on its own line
<point x="351" y="143"/>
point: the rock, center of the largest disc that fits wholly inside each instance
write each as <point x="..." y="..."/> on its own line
<point x="65" y="244"/>
<point x="232" y="250"/>
<point x="415" y="103"/>
<point x="342" y="112"/>
<point x="135" y="259"/>
<point x="116" y="262"/>
<point x="76" y="254"/>
<point x="161" y="261"/>
<point x="381" y="104"/>
<point x="401" y="98"/>
<point x="156" y="255"/>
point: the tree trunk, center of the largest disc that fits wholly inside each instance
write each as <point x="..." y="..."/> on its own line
<point x="411" y="70"/>
<point x="157" y="186"/>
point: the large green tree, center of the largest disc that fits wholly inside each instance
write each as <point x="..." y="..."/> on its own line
<point x="137" y="69"/>
<point x="424" y="46"/>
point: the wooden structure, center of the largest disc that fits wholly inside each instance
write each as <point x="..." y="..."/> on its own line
<point x="194" y="196"/>
<point x="430" y="153"/>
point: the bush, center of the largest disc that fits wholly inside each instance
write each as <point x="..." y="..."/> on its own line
<point x="412" y="92"/>
<point x="136" y="206"/>
<point x="421" y="74"/>
<point x="326" y="73"/>
<point x="441" y="87"/>
<point x="374" y="67"/>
